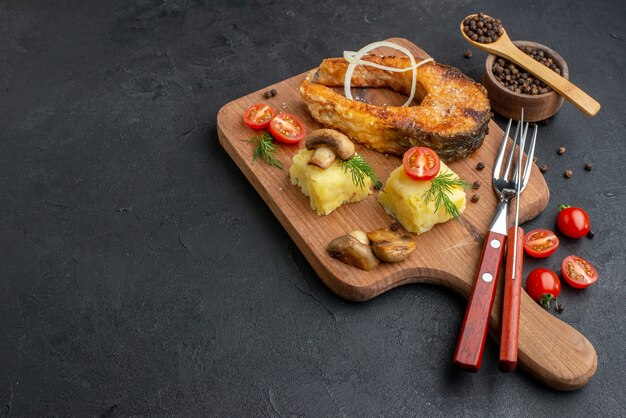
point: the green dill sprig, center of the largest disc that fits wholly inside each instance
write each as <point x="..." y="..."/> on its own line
<point x="440" y="187"/>
<point x="265" y="150"/>
<point x="360" y="169"/>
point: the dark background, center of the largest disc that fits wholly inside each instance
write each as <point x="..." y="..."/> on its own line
<point x="141" y="274"/>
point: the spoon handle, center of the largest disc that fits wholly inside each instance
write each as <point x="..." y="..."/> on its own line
<point x="573" y="94"/>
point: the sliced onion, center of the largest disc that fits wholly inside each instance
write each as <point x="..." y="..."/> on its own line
<point x="355" y="58"/>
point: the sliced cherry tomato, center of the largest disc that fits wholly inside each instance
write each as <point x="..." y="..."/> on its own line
<point x="258" y="116"/>
<point x="578" y="272"/>
<point x="573" y="222"/>
<point x="544" y="286"/>
<point x="421" y="163"/>
<point x="540" y="243"/>
<point x="287" y="128"/>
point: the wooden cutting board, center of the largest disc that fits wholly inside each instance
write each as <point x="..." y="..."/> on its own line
<point x="549" y="349"/>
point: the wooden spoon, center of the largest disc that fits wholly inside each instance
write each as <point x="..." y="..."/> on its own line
<point x="503" y="47"/>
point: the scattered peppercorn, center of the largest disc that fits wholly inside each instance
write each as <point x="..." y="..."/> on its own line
<point x="561" y="151"/>
<point x="588" y="166"/>
<point x="591" y="234"/>
<point x="273" y="92"/>
<point x="467" y="53"/>
<point x="475" y="198"/>
<point x="395" y="226"/>
<point x="559" y="308"/>
<point x="543" y="168"/>
<point x="480" y="166"/>
<point x="568" y="173"/>
<point x="267" y="94"/>
<point x="517" y="79"/>
<point x="482" y="28"/>
<point x="535" y="160"/>
<point x="476" y="185"/>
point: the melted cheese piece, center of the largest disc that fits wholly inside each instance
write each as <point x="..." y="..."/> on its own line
<point x="403" y="198"/>
<point x="327" y="189"/>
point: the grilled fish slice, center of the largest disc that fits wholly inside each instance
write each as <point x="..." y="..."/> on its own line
<point x="452" y="117"/>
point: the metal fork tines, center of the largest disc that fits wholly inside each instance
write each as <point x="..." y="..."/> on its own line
<point x="505" y="183"/>
<point x="508" y="181"/>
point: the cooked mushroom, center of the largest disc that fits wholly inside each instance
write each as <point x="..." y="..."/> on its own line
<point x="328" y="145"/>
<point x="350" y="250"/>
<point x="391" y="246"/>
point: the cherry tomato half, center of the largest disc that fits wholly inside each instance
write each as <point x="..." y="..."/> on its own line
<point x="258" y="116"/>
<point x="287" y="128"/>
<point x="578" y="272"/>
<point x="573" y="222"/>
<point x="421" y="163"/>
<point x="540" y="243"/>
<point x="543" y="286"/>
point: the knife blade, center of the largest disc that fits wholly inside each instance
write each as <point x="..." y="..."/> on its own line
<point x="513" y="277"/>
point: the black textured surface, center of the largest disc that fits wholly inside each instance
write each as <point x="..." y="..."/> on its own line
<point x="140" y="273"/>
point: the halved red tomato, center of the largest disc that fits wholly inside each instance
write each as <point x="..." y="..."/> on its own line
<point x="287" y="128"/>
<point x="258" y="116"/>
<point x="578" y="272"/>
<point x="540" y="243"/>
<point x="421" y="163"/>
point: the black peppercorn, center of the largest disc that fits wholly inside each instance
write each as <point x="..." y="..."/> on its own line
<point x="467" y="53"/>
<point x="588" y="166"/>
<point x="561" y="151"/>
<point x="273" y="92"/>
<point x="482" y="28"/>
<point x="543" y="168"/>
<point x="476" y="185"/>
<point x="591" y="234"/>
<point x="568" y="173"/>
<point x="480" y="165"/>
<point x="475" y="198"/>
<point x="520" y="79"/>
<point x="267" y="94"/>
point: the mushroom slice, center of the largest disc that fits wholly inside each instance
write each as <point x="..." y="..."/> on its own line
<point x="328" y="145"/>
<point x="361" y="236"/>
<point x="322" y="157"/>
<point x="391" y="246"/>
<point x="350" y="250"/>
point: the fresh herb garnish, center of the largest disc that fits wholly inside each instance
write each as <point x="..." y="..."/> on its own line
<point x="440" y="187"/>
<point x="360" y="169"/>
<point x="265" y="150"/>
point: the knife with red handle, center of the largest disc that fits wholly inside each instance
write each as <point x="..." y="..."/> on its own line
<point x="469" y="349"/>
<point x="511" y="300"/>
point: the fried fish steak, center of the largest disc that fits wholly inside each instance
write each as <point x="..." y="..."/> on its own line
<point x="452" y="116"/>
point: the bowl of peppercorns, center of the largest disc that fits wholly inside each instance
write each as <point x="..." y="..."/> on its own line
<point x="512" y="88"/>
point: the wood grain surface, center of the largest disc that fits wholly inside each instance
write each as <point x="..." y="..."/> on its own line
<point x="447" y="255"/>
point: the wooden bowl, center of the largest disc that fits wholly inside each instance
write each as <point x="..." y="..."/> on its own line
<point x="509" y="103"/>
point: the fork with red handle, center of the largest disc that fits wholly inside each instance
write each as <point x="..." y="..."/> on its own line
<point x="507" y="185"/>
